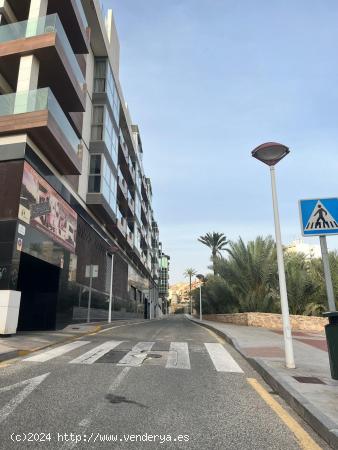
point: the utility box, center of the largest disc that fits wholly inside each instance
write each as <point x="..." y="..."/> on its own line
<point x="331" y="331"/>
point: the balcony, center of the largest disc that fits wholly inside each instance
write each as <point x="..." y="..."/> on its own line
<point x="59" y="69"/>
<point x="121" y="224"/>
<point x="144" y="233"/>
<point x="126" y="165"/>
<point x="131" y="204"/>
<point x="132" y="171"/>
<point x="123" y="185"/>
<point x="130" y="239"/>
<point x="124" y="148"/>
<point x="144" y="206"/>
<point x="38" y="114"/>
<point x="71" y="15"/>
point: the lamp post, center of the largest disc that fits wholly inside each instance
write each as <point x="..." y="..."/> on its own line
<point x="271" y="153"/>
<point x="201" y="278"/>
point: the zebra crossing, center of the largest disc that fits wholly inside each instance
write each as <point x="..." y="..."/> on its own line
<point x="176" y="357"/>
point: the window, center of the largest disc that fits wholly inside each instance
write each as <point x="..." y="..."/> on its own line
<point x="113" y="95"/>
<point x="110" y="137"/>
<point x="137" y="239"/>
<point x="100" y="75"/>
<point x="138" y="179"/>
<point x="102" y="180"/>
<point x="94" y="182"/>
<point x="137" y="206"/>
<point x="103" y="130"/>
<point x="104" y="82"/>
<point x="109" y="186"/>
<point x="97" y="124"/>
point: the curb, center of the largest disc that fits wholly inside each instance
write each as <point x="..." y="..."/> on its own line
<point x="322" y="424"/>
<point x="5" y="357"/>
<point x="9" y="355"/>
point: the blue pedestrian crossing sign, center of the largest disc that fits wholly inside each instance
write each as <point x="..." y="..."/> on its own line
<point x="319" y="217"/>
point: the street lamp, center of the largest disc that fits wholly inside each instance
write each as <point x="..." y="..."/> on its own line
<point x="202" y="279"/>
<point x="271" y="153"/>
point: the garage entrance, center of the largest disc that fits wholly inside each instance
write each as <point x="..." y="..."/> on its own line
<point x="39" y="284"/>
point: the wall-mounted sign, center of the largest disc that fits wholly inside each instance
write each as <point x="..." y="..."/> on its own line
<point x="21" y="229"/>
<point x="44" y="209"/>
<point x="94" y="270"/>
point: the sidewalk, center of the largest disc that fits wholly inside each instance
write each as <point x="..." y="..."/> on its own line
<point x="309" y="389"/>
<point x="24" y="343"/>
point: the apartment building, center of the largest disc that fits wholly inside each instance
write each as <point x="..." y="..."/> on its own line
<point x="77" y="228"/>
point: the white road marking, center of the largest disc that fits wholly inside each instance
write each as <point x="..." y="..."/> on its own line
<point x="137" y="355"/>
<point x="222" y="359"/>
<point x="96" y="353"/>
<point x="178" y="357"/>
<point x="85" y="423"/>
<point x="120" y="326"/>
<point x="58" y="351"/>
<point x="30" y="384"/>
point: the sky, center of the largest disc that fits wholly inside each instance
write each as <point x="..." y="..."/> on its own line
<point x="209" y="80"/>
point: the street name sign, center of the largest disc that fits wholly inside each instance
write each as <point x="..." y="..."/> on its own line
<point x="319" y="217"/>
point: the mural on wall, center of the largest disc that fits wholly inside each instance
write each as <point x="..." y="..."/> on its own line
<point x="43" y="208"/>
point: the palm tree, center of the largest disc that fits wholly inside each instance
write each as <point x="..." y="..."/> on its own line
<point x="217" y="243"/>
<point x="189" y="273"/>
<point x="302" y="287"/>
<point x="251" y="273"/>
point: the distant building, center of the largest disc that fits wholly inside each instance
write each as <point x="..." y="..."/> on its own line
<point x="163" y="292"/>
<point x="299" y="246"/>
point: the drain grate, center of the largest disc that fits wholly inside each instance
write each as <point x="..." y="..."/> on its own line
<point x="309" y="380"/>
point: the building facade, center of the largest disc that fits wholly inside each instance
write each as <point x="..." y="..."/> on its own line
<point x="77" y="228"/>
<point x="310" y="251"/>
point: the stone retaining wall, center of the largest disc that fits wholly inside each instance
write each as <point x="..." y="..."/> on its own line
<point x="271" y="321"/>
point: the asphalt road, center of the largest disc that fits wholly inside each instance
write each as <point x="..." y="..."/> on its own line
<point x="172" y="391"/>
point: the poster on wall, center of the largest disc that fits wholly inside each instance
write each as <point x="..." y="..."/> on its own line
<point x="43" y="208"/>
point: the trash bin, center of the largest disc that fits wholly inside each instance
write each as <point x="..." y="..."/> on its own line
<point x="331" y="331"/>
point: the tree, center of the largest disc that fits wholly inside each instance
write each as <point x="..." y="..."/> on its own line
<point x="189" y="273"/>
<point x="302" y="287"/>
<point x="251" y="273"/>
<point x="216" y="242"/>
<point x="217" y="297"/>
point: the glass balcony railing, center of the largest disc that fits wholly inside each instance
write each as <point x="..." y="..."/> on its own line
<point x="38" y="27"/>
<point x="39" y="100"/>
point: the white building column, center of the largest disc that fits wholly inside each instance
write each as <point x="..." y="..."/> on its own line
<point x="27" y="81"/>
<point x="38" y="8"/>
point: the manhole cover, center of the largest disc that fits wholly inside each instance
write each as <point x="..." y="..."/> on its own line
<point x="309" y="380"/>
<point x="154" y="355"/>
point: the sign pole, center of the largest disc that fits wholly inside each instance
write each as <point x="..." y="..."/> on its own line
<point x="111" y="288"/>
<point x="327" y="273"/>
<point x="90" y="292"/>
